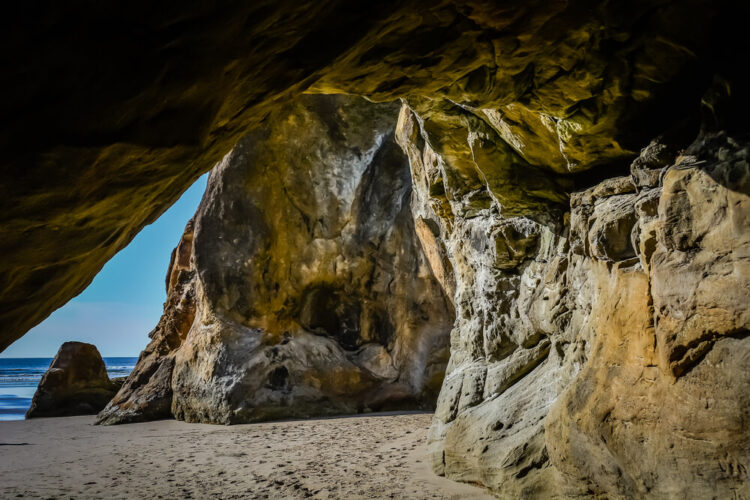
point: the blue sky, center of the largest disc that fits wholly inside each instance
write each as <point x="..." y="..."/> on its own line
<point x="124" y="302"/>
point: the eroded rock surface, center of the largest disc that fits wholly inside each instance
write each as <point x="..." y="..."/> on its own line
<point x="76" y="383"/>
<point x="301" y="287"/>
<point x="112" y="110"/>
<point x="601" y="294"/>
<point x="600" y="346"/>
<point x="596" y="322"/>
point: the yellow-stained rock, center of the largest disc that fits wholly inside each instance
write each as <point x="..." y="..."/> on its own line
<point x="307" y="289"/>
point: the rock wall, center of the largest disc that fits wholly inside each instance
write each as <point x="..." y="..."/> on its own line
<point x="300" y="288"/>
<point x="600" y="344"/>
<point x="601" y="321"/>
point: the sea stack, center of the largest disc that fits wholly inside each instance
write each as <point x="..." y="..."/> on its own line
<point x="76" y="383"/>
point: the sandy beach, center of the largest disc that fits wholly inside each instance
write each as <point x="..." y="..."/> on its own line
<point x="376" y="456"/>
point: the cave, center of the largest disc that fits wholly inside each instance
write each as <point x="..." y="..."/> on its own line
<point x="329" y="312"/>
<point x="529" y="217"/>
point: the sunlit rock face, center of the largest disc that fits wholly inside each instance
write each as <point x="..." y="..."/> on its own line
<point x="308" y="292"/>
<point x="601" y="343"/>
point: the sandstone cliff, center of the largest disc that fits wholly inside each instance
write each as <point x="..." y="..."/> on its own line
<point x="300" y="288"/>
<point x="600" y="336"/>
<point x="579" y="191"/>
<point x="600" y="346"/>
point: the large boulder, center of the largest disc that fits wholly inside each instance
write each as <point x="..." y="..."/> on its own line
<point x="301" y="287"/>
<point x="76" y="383"/>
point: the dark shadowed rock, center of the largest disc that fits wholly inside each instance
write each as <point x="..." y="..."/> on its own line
<point x="76" y="383"/>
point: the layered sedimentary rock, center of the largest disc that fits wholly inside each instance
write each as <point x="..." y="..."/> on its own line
<point x="111" y="110"/>
<point x="600" y="345"/>
<point x="76" y="383"/>
<point x="300" y="288"/>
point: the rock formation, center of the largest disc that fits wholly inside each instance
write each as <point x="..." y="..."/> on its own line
<point x="76" y="383"/>
<point x="579" y="176"/>
<point x="600" y="346"/>
<point x="300" y="288"/>
<point x="112" y="110"/>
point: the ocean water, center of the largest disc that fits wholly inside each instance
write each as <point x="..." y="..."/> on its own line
<point x="19" y="378"/>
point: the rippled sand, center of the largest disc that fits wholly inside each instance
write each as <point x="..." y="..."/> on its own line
<point x="378" y="456"/>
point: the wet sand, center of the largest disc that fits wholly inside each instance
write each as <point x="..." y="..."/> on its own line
<point x="375" y="456"/>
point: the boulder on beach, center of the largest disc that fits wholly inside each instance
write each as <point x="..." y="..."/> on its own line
<point x="76" y="383"/>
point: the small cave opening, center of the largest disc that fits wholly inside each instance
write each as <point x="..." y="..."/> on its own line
<point x="278" y="379"/>
<point x="327" y="310"/>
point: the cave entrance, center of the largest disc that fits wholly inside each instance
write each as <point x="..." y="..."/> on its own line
<point x="115" y="312"/>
